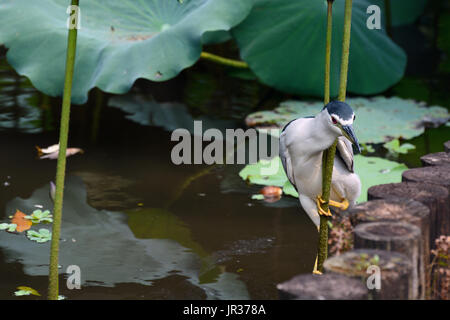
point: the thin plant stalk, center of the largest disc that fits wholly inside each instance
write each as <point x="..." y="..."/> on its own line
<point x="328" y="157"/>
<point x="323" y="229"/>
<point x="224" y="61"/>
<point x="61" y="164"/>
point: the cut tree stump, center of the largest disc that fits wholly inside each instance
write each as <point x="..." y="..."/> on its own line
<point x="395" y="272"/>
<point x="439" y="175"/>
<point x="393" y="236"/>
<point x="447" y="146"/>
<point x="435" y="197"/>
<point x="436" y="159"/>
<point x="322" y="287"/>
<point x="400" y="210"/>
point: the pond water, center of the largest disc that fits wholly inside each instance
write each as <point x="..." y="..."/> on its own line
<point x="138" y="226"/>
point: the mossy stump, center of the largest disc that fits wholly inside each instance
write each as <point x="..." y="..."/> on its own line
<point x="397" y="237"/>
<point x="434" y="197"/>
<point x="394" y="267"/>
<point x="400" y="210"/>
<point x="322" y="287"/>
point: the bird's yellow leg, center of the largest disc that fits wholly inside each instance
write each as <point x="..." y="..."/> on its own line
<point x="315" y="271"/>
<point x="319" y="202"/>
<point x="343" y="205"/>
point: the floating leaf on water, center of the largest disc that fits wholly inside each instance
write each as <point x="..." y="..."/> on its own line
<point x="257" y="197"/>
<point x="397" y="117"/>
<point x="395" y="147"/>
<point x="20" y="220"/>
<point x="26" y="291"/>
<point x="50" y="149"/>
<point x="38" y="216"/>
<point x="369" y="170"/>
<point x="10" y="227"/>
<point x="54" y="155"/>
<point x="43" y="235"/>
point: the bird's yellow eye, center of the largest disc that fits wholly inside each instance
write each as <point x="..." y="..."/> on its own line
<point x="334" y="120"/>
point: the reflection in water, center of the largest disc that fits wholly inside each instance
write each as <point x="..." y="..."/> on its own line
<point x="19" y="102"/>
<point x="101" y="243"/>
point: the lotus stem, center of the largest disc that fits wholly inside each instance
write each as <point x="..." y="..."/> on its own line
<point x="327" y="166"/>
<point x="326" y="95"/>
<point x="53" y="289"/>
<point x="328" y="155"/>
<point x="224" y="61"/>
<point x="345" y="50"/>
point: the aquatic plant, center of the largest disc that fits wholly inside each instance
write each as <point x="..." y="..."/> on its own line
<point x="122" y="40"/>
<point x="61" y="164"/>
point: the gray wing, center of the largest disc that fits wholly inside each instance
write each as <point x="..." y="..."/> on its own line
<point x="344" y="150"/>
<point x="286" y="160"/>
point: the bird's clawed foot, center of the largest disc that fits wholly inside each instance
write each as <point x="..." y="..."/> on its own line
<point x="319" y="202"/>
<point x="343" y="205"/>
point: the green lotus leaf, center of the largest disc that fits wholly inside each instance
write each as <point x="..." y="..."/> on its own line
<point x="371" y="170"/>
<point x="374" y="171"/>
<point x="378" y="119"/>
<point x="402" y="11"/>
<point x="283" y="42"/>
<point x="119" y="40"/>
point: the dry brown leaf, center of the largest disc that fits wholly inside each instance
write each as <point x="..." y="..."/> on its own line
<point x="22" y="223"/>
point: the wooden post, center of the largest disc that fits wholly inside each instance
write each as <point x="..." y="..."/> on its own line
<point x="395" y="271"/>
<point x="436" y="159"/>
<point x="393" y="236"/>
<point x="433" y="196"/>
<point x="439" y="175"/>
<point x="400" y="210"/>
<point x="322" y="287"/>
<point x="447" y="146"/>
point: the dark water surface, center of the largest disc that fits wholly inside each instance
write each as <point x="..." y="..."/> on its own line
<point x="137" y="225"/>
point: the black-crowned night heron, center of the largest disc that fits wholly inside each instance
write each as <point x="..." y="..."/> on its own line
<point x="302" y="143"/>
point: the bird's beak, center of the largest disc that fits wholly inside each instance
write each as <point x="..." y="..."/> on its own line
<point x="347" y="131"/>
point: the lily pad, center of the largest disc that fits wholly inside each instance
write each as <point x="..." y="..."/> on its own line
<point x="284" y="44"/>
<point x="10" y="227"/>
<point x="378" y="119"/>
<point x="43" y="235"/>
<point x="38" y="216"/>
<point x="395" y="147"/>
<point x="371" y="170"/>
<point x="119" y="40"/>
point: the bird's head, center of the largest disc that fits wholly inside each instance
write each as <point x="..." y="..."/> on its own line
<point x="340" y="119"/>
